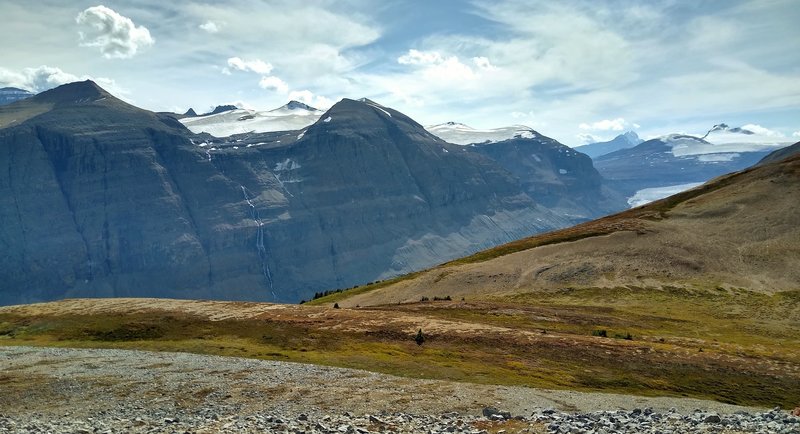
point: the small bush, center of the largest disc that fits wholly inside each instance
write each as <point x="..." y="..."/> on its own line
<point x="601" y="333"/>
<point x="424" y="298"/>
<point x="627" y="336"/>
<point x="336" y="305"/>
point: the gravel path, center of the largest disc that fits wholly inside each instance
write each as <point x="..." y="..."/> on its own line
<point x="116" y="391"/>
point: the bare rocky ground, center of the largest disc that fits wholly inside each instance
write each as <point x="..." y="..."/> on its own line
<point x="54" y="390"/>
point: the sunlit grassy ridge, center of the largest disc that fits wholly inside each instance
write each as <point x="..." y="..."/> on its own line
<point x="733" y="347"/>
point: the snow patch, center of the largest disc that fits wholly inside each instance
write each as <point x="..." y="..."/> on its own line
<point x="287" y="164"/>
<point x="300" y="136"/>
<point x="714" y="158"/>
<point x="326" y="120"/>
<point x="461" y="134"/>
<point x="379" y="108"/>
<point x="445" y="150"/>
<point x="562" y="171"/>
<point x="648" y="195"/>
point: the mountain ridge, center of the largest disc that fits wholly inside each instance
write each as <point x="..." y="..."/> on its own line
<point x="138" y="205"/>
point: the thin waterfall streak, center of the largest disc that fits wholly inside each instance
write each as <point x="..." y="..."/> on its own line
<point x="263" y="254"/>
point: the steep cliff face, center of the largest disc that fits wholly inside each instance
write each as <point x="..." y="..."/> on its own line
<point x="100" y="198"/>
<point x="555" y="175"/>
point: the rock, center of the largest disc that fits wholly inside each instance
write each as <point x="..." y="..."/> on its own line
<point x="495" y="414"/>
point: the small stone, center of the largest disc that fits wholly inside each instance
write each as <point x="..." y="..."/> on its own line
<point x="495" y="414"/>
<point x="712" y="418"/>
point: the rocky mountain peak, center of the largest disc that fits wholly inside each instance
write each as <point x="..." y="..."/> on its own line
<point x="221" y="109"/>
<point x="365" y="111"/>
<point x="74" y="93"/>
<point x="297" y="105"/>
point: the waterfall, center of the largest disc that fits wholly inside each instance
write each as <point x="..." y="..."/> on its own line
<point x="260" y="246"/>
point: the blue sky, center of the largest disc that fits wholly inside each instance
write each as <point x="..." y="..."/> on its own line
<point x="573" y="70"/>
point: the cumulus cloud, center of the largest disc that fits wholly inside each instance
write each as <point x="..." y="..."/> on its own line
<point x="796" y="134"/>
<point x="308" y="98"/>
<point x="273" y="83"/>
<point x="617" y="124"/>
<point x="258" y="66"/>
<point x="37" y="79"/>
<point x="115" y="35"/>
<point x="433" y="65"/>
<point x="586" y="138"/>
<point x="762" y="131"/>
<point x="45" y="77"/>
<point x="209" y="26"/>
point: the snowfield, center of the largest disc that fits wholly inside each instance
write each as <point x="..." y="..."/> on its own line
<point x="648" y="195"/>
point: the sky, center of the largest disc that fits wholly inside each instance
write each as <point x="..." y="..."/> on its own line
<point x="577" y="71"/>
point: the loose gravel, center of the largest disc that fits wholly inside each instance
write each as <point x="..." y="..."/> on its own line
<point x="54" y="390"/>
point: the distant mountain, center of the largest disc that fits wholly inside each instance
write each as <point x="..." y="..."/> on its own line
<point x="225" y="121"/>
<point x="190" y="113"/>
<point x="11" y="94"/>
<point x="675" y="162"/>
<point x="221" y="109"/>
<point x="622" y="141"/>
<point x="104" y="199"/>
<point x="551" y="173"/>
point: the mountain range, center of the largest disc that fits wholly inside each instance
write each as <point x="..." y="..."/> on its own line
<point x="104" y="199"/>
<point x="679" y="161"/>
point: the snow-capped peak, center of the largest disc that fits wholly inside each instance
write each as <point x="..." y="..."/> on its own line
<point x="296" y="105"/>
<point x="721" y="138"/>
<point x="461" y="134"/>
<point x="294" y="115"/>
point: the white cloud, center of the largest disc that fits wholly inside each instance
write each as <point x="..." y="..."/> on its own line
<point x="273" y="83"/>
<point x="308" y="98"/>
<point x="445" y="69"/>
<point x="483" y="63"/>
<point x="37" y="79"/>
<point x="586" y="138"/>
<point x="416" y="57"/>
<point x="258" y="66"/>
<point x="45" y="77"/>
<point x="762" y="131"/>
<point x="115" y="35"/>
<point x="617" y="124"/>
<point x="209" y="26"/>
<point x="796" y="134"/>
